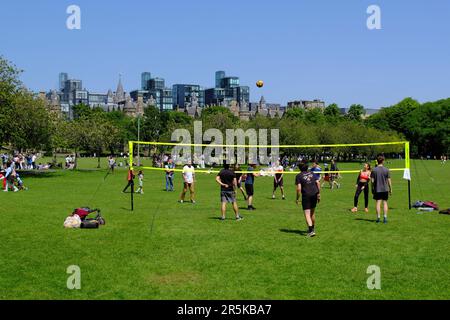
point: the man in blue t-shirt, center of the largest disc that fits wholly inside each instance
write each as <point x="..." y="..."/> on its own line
<point x="316" y="170"/>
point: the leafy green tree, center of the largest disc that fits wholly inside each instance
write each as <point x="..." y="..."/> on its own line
<point x="429" y="126"/>
<point x="332" y="113"/>
<point x="394" y="117"/>
<point x="297" y="114"/>
<point x="355" y="112"/>
<point x="314" y="115"/>
<point x="81" y="111"/>
<point x="10" y="86"/>
<point x="31" y="122"/>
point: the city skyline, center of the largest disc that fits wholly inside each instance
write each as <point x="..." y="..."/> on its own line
<point x="300" y="49"/>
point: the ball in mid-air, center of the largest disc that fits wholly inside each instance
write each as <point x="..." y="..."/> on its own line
<point x="259" y="83"/>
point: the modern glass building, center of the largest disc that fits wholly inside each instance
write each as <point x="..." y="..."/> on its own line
<point x="229" y="82"/>
<point x="215" y="96"/>
<point x="63" y="77"/>
<point x="167" y="99"/>
<point x="227" y="89"/>
<point x="145" y="78"/>
<point x="98" y="100"/>
<point x="73" y="93"/>
<point x="183" y="93"/>
<point x="156" y="83"/>
<point x="219" y="76"/>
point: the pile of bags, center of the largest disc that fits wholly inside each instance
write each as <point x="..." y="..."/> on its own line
<point x="428" y="206"/>
<point x="79" y="219"/>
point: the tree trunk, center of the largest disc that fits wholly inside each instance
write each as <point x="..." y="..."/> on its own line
<point x="75" y="164"/>
<point x="54" y="156"/>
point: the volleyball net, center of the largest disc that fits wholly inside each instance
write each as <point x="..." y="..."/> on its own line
<point x="209" y="158"/>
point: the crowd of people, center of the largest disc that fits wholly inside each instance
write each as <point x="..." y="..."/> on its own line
<point x="21" y="161"/>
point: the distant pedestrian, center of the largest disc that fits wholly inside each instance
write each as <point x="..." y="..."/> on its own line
<point x="141" y="182"/>
<point x="170" y="166"/>
<point x="334" y="176"/>
<point x="111" y="163"/>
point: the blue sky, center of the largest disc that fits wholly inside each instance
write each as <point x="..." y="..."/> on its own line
<point x="302" y="49"/>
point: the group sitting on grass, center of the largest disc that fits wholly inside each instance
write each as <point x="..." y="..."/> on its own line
<point x="11" y="180"/>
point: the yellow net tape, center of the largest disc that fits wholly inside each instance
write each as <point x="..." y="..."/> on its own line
<point x="268" y="171"/>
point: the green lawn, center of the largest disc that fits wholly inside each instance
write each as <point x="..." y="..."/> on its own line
<point x="167" y="250"/>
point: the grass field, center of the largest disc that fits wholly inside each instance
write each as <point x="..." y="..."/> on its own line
<point x="167" y="250"/>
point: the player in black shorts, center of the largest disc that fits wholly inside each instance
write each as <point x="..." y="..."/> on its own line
<point x="278" y="180"/>
<point x="227" y="180"/>
<point x="309" y="188"/>
<point x="239" y="175"/>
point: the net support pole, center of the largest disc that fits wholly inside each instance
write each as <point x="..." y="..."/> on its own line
<point x="132" y="196"/>
<point x="409" y="194"/>
<point x="408" y="167"/>
<point x="130" y="151"/>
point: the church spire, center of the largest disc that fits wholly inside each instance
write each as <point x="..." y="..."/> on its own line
<point x="120" y="93"/>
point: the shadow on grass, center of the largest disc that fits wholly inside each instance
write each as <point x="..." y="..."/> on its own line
<point x="38" y="174"/>
<point x="300" y="232"/>
<point x="366" y="220"/>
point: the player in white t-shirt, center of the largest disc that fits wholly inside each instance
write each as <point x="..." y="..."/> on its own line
<point x="278" y="180"/>
<point x="188" y="182"/>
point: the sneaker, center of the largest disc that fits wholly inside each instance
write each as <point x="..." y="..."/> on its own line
<point x="385" y="220"/>
<point x="239" y="218"/>
<point x="222" y="219"/>
<point x="311" y="234"/>
<point x="378" y="220"/>
<point x="284" y="198"/>
<point x="273" y="196"/>
<point x="250" y="208"/>
<point x="253" y="208"/>
<point x="193" y="202"/>
<point x="181" y="201"/>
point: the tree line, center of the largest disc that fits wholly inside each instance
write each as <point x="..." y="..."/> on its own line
<point x="26" y="123"/>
